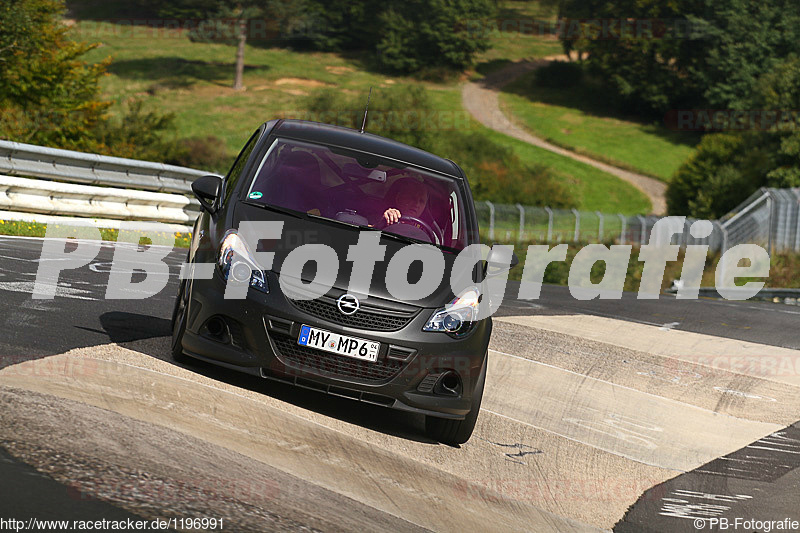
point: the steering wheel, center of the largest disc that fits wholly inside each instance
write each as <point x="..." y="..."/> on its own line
<point x="417" y="223"/>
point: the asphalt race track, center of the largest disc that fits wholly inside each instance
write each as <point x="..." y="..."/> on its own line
<point x="632" y="415"/>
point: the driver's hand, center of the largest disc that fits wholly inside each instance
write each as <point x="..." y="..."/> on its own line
<point x="391" y="216"/>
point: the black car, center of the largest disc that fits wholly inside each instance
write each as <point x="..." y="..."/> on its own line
<point x="329" y="186"/>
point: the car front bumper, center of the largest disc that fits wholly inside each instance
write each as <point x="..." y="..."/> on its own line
<point x="261" y="335"/>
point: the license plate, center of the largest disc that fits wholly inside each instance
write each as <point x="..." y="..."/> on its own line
<point x="339" y="344"/>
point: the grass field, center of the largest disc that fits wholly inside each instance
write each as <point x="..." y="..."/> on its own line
<point x="580" y="119"/>
<point x="37" y="229"/>
<point x="169" y="73"/>
<point x="522" y="38"/>
<point x="193" y="80"/>
<point x="594" y="190"/>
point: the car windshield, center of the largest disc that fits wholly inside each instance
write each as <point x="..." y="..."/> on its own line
<point x="362" y="190"/>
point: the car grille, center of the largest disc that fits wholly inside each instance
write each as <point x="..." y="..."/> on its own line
<point x="330" y="364"/>
<point x="365" y="318"/>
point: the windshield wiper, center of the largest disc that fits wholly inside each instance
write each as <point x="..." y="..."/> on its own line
<point x="388" y="234"/>
<point x="277" y="209"/>
<point x="403" y="238"/>
<point x="348" y="224"/>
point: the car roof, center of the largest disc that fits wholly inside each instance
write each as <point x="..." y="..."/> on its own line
<point x="304" y="130"/>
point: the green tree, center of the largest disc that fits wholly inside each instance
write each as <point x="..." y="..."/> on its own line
<point x="700" y="53"/>
<point x="761" y="150"/>
<point x="405" y="36"/>
<point x="48" y="95"/>
<point x="432" y="34"/>
<point x="645" y="69"/>
<point x="340" y="24"/>
<point x="778" y="92"/>
<point x="742" y="40"/>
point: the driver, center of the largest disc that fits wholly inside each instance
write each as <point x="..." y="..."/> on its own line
<point x="409" y="197"/>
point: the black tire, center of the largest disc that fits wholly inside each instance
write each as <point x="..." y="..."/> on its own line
<point x="179" y="324"/>
<point x="454" y="432"/>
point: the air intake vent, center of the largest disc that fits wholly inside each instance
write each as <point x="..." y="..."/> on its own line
<point x="399" y="353"/>
<point x="367" y="317"/>
<point x="312" y="361"/>
<point x="427" y="384"/>
<point x="277" y="324"/>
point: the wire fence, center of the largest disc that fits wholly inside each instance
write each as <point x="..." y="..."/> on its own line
<point x="769" y="218"/>
<point x="518" y="223"/>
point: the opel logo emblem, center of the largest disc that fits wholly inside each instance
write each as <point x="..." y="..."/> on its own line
<point x="347" y="304"/>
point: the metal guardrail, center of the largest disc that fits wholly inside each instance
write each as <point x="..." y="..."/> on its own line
<point x="96" y="186"/>
<point x="777" y="295"/>
<point x="769" y="218"/>
<point x="28" y="160"/>
<point x="67" y="199"/>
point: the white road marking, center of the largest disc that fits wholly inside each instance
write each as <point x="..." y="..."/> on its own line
<point x="15" y="258"/>
<point x="681" y="507"/>
<point x="61" y="291"/>
<point x="777" y="442"/>
<point x="667" y="373"/>
<point x="748" y="395"/>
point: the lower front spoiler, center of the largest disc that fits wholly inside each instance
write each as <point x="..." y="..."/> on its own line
<point x="333" y="390"/>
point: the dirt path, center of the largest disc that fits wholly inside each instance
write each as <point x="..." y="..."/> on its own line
<point x="480" y="99"/>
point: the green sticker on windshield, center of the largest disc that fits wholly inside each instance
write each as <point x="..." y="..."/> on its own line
<point x="255" y="195"/>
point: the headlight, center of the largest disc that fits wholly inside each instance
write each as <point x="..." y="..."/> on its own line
<point x="235" y="261"/>
<point x="458" y="317"/>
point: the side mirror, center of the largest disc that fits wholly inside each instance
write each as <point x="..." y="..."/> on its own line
<point x="207" y="190"/>
<point x="497" y="262"/>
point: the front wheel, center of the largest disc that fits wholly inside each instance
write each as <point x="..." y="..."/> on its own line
<point x="179" y="324"/>
<point x="453" y="432"/>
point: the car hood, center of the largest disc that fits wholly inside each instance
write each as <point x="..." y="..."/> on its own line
<point x="299" y="231"/>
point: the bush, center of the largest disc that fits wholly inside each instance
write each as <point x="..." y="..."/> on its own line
<point x="723" y="172"/>
<point x="141" y="134"/>
<point x="137" y="134"/>
<point x="395" y="113"/>
<point x="203" y="153"/>
<point x="557" y="272"/>
<point x="495" y="172"/>
<point x="559" y="75"/>
<point x="498" y="175"/>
